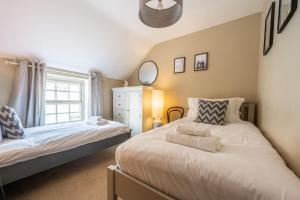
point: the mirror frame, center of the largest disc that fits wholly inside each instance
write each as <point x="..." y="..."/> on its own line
<point x="155" y="76"/>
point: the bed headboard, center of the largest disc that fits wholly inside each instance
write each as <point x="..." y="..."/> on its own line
<point x="248" y="112"/>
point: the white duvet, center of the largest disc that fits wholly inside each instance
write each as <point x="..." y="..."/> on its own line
<point x="247" y="167"/>
<point x="44" y="140"/>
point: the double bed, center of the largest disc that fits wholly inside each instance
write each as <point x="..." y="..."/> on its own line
<point x="247" y="167"/>
<point x="49" y="146"/>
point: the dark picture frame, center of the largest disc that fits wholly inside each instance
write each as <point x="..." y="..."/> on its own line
<point x="179" y="65"/>
<point x="269" y="30"/>
<point x="284" y="16"/>
<point x="201" y="62"/>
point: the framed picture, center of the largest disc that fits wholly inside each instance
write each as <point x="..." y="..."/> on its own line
<point x="287" y="8"/>
<point x="179" y="65"/>
<point x="269" y="29"/>
<point x="201" y="62"/>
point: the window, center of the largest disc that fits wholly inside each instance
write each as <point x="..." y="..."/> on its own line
<point x="65" y="99"/>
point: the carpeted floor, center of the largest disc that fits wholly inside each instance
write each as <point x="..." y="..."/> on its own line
<point x="84" y="179"/>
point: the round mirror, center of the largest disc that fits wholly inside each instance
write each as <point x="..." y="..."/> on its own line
<point x="148" y="73"/>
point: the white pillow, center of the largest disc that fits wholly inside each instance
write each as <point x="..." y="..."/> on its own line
<point x="232" y="113"/>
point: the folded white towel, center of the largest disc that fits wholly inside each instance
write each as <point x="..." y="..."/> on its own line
<point x="97" y="123"/>
<point x="96" y="118"/>
<point x="211" y="144"/>
<point x="193" y="129"/>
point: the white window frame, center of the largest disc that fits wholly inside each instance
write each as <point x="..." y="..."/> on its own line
<point x="69" y="79"/>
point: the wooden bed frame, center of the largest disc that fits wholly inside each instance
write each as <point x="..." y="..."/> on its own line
<point x="120" y="184"/>
<point x="27" y="168"/>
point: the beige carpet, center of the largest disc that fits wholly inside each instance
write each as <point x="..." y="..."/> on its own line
<point x="84" y="179"/>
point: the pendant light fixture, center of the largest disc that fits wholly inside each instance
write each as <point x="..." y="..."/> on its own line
<point x="160" y="13"/>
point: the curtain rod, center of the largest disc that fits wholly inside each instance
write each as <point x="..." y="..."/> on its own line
<point x="17" y="61"/>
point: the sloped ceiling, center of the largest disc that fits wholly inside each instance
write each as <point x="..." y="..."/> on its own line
<point x="104" y="35"/>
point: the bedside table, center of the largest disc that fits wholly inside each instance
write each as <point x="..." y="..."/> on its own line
<point x="2" y="195"/>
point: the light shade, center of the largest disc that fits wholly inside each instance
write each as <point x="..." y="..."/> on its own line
<point x="159" y="18"/>
<point x="158" y="100"/>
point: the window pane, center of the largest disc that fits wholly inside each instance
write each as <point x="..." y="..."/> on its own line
<point x="50" y="95"/>
<point x="50" y="119"/>
<point x="74" y="87"/>
<point x="50" y="85"/>
<point x="50" y="109"/>
<point x="64" y="100"/>
<point x="74" y="96"/>
<point x="75" y="107"/>
<point x="62" y="86"/>
<point x="75" y="116"/>
<point x="62" y="96"/>
<point x="63" y="117"/>
<point x="62" y="108"/>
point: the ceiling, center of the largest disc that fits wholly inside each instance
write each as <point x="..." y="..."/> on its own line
<point x="103" y="35"/>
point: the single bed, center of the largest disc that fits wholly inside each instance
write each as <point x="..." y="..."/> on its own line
<point x="247" y="167"/>
<point x="49" y="146"/>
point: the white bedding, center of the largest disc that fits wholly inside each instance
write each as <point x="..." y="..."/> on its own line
<point x="40" y="141"/>
<point x="247" y="167"/>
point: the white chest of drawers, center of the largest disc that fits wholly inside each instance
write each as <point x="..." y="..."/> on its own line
<point x="132" y="107"/>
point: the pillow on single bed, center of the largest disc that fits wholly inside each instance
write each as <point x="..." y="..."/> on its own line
<point x="211" y="112"/>
<point x="232" y="113"/>
<point x="10" y="123"/>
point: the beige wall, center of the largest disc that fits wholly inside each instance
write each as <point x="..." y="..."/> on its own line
<point x="7" y="73"/>
<point x="108" y="84"/>
<point x="279" y="91"/>
<point x="233" y="63"/>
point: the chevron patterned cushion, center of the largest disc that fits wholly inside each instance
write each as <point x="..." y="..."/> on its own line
<point x="211" y="112"/>
<point x="10" y="123"/>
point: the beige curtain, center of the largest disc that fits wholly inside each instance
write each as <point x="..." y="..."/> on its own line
<point x="28" y="95"/>
<point x="96" y="92"/>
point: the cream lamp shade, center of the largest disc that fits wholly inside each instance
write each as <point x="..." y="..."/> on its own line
<point x="158" y="99"/>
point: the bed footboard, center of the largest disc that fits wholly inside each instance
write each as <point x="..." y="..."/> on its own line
<point x="126" y="187"/>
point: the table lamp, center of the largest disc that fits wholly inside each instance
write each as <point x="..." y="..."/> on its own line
<point x="157" y="107"/>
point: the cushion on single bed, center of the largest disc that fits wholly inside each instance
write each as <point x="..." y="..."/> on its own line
<point x="10" y="123"/>
<point x="232" y="113"/>
<point x="211" y="112"/>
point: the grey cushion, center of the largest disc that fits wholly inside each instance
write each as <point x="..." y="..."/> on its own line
<point x="211" y="112"/>
<point x="10" y="123"/>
